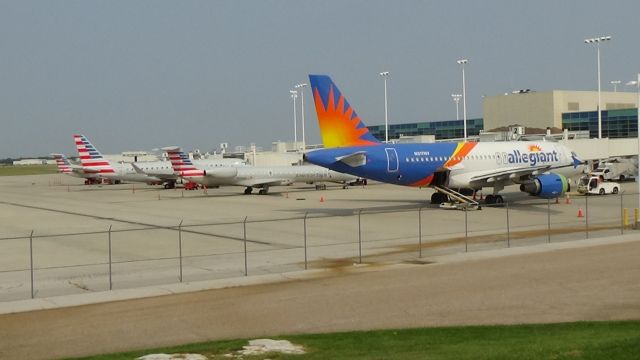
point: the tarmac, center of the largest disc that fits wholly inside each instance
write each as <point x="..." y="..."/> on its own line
<point x="74" y="314"/>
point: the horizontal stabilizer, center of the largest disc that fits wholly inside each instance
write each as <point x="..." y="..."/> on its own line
<point x="354" y="160"/>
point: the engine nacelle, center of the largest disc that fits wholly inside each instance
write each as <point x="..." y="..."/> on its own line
<point x="546" y="186"/>
<point x="222" y="172"/>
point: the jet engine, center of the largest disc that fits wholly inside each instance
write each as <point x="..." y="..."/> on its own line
<point x="546" y="186"/>
<point x="222" y="172"/>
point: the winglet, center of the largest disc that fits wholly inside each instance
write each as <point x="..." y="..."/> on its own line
<point x="138" y="169"/>
<point x="340" y="126"/>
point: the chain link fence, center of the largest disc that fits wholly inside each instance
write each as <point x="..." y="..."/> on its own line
<point x="43" y="265"/>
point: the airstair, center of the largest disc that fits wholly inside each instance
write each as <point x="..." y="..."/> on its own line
<point x="457" y="200"/>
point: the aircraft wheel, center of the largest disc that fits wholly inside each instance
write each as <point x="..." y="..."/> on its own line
<point x="262" y="192"/>
<point x="490" y="200"/>
<point x="499" y="199"/>
<point x="438" y="198"/>
<point x="248" y="190"/>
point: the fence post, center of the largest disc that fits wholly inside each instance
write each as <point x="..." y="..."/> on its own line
<point x="508" y="228"/>
<point x="180" y="246"/>
<point x="244" y="227"/>
<point x="110" y="261"/>
<point x="31" y="261"/>
<point x="586" y="214"/>
<point x="359" y="237"/>
<point x="549" y="221"/>
<point x="621" y="214"/>
<point x="420" y="232"/>
<point x="466" y="231"/>
<point x="304" y="221"/>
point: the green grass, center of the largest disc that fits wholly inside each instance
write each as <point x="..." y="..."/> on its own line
<point x="11" y="170"/>
<point x="581" y="340"/>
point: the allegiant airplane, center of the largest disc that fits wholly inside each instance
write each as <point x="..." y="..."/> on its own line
<point x="451" y="168"/>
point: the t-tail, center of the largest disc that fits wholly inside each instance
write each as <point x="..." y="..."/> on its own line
<point x="339" y="124"/>
<point x="90" y="158"/>
<point x="63" y="163"/>
<point x="181" y="164"/>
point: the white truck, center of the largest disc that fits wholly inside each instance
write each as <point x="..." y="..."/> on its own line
<point x="617" y="169"/>
<point x="595" y="185"/>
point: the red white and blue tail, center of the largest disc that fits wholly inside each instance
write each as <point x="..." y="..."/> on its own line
<point x="181" y="164"/>
<point x="64" y="166"/>
<point x="90" y="158"/>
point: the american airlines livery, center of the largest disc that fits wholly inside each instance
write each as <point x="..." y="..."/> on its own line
<point x="65" y="167"/>
<point x="541" y="168"/>
<point x="150" y="172"/>
<point x="251" y="176"/>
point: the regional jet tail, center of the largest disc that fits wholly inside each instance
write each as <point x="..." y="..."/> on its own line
<point x="65" y="167"/>
<point x="454" y="170"/>
<point x="93" y="162"/>
<point x="250" y="177"/>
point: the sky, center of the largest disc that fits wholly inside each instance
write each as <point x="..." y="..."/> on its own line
<point x="139" y="75"/>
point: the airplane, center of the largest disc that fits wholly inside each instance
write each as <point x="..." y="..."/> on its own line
<point x="151" y="172"/>
<point x="454" y="169"/>
<point x="65" y="167"/>
<point x="250" y="177"/>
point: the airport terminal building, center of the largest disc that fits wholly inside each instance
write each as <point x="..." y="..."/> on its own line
<point x="571" y="110"/>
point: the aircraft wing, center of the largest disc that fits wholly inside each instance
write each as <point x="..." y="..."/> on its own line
<point x="512" y="174"/>
<point x="261" y="182"/>
<point x="159" y="175"/>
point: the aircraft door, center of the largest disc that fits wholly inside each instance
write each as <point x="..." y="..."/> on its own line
<point x="392" y="160"/>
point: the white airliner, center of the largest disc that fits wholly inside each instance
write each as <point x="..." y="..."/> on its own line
<point x="65" y="167"/>
<point x="151" y="172"/>
<point x="251" y="177"/>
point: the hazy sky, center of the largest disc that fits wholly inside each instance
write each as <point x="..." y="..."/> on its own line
<point x="137" y="75"/>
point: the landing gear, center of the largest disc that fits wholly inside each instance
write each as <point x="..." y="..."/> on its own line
<point x="248" y="190"/>
<point x="264" y="190"/>
<point x="493" y="199"/>
<point x="438" y="198"/>
<point x="170" y="185"/>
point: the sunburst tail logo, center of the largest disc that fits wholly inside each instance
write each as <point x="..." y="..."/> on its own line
<point x="339" y="124"/>
<point x="535" y="148"/>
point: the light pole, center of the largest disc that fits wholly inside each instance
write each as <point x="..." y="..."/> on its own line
<point x="462" y="62"/>
<point x="637" y="84"/>
<point x="301" y="86"/>
<point x="294" y="96"/>
<point x="615" y="84"/>
<point x="385" y="76"/>
<point x="597" y="42"/>
<point x="456" y="99"/>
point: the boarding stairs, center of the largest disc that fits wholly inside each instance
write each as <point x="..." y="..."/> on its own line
<point x="457" y="200"/>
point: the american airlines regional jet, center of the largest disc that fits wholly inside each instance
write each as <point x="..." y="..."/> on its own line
<point x="250" y="177"/>
<point x="151" y="172"/>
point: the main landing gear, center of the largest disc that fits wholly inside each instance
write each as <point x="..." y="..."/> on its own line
<point x="493" y="199"/>
<point x="248" y="190"/>
<point x="438" y="198"/>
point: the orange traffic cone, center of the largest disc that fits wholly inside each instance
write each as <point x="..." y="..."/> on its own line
<point x="567" y="200"/>
<point x="580" y="214"/>
<point x="481" y="197"/>
<point x="321" y="198"/>
<point x="474" y="196"/>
